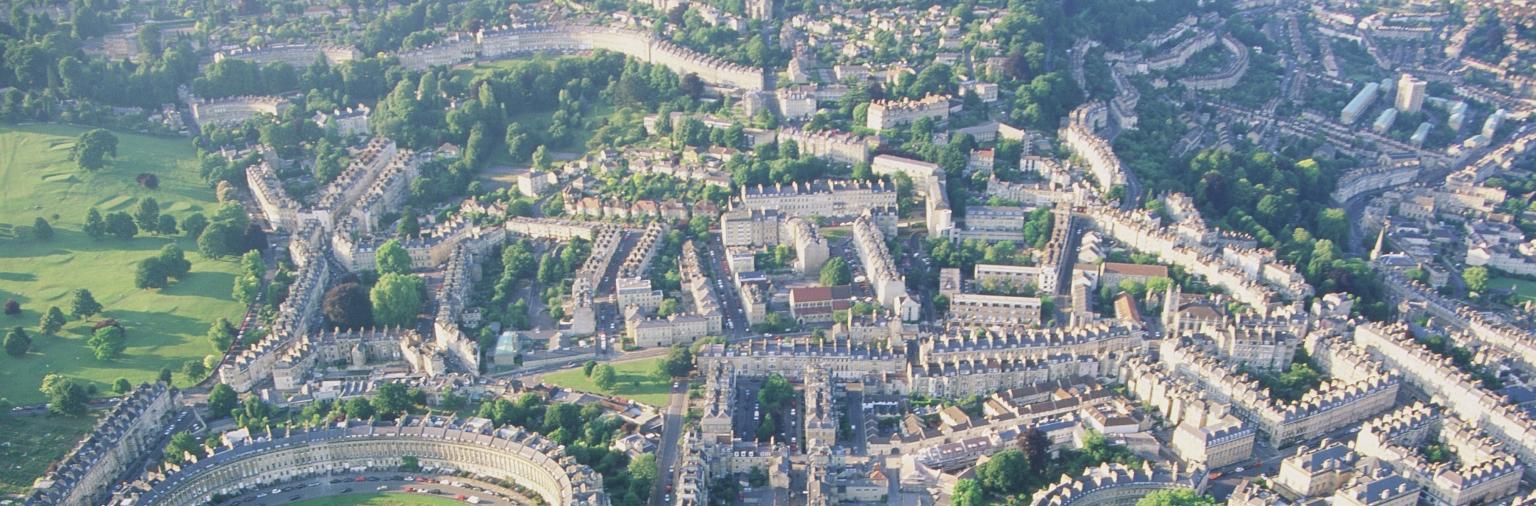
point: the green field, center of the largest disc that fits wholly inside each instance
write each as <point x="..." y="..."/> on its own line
<point x="380" y="499"/>
<point x="29" y="443"/>
<point x="651" y="390"/>
<point x="165" y="328"/>
<point x="1524" y="289"/>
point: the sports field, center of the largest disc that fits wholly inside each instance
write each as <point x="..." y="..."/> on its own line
<point x="380" y="499"/>
<point x="637" y="381"/>
<point x="166" y="327"/>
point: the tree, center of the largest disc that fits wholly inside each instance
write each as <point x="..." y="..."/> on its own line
<point x="122" y="386"/>
<point x="254" y="238"/>
<point x="218" y="240"/>
<point x="1035" y="446"/>
<point x="12" y="308"/>
<point x="768" y="428"/>
<point x="967" y="493"/>
<point x="17" y="342"/>
<point x="166" y="225"/>
<point x="51" y="321"/>
<point x="392" y="258"/>
<point x="346" y="305"/>
<point x="194" y="224"/>
<point x="83" y="304"/>
<point x="180" y="445"/>
<point x="1476" y="278"/>
<point x="605" y="377"/>
<point x="1001" y="474"/>
<point x="396" y="299"/>
<point x="775" y="392"/>
<point x="95" y="226"/>
<point x="391" y="399"/>
<point x="194" y="370"/>
<point x="222" y="334"/>
<point x="541" y="157"/>
<point x="121" y="226"/>
<point x="667" y="307"/>
<point x="164" y="376"/>
<point x="108" y="342"/>
<point x="643" y="468"/>
<point x="174" y="261"/>
<point x="836" y="272"/>
<point x="586" y="368"/>
<point x="41" y="230"/>
<point x="246" y="288"/>
<point x="677" y="364"/>
<point x="148" y="214"/>
<point x="1176" y="497"/>
<point x="150" y="273"/>
<point x="65" y="396"/>
<point x="92" y="149"/>
<point x="1333" y="224"/>
<point x="408" y="226"/>
<point x="359" y="407"/>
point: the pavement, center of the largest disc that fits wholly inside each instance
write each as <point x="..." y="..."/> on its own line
<point x="671" y="439"/>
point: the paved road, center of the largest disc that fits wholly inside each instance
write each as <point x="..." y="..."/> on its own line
<point x="671" y="437"/>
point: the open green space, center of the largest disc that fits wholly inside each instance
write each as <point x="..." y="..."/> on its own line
<point x="595" y="116"/>
<point x="637" y="381"/>
<point x="165" y="327"/>
<point x="29" y="443"/>
<point x="1524" y="289"/>
<point x="380" y="499"/>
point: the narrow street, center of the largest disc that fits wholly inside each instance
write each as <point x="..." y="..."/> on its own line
<point x="668" y="449"/>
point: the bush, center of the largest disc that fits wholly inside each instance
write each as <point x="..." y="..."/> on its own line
<point x="12" y="308"/>
<point x="148" y="180"/>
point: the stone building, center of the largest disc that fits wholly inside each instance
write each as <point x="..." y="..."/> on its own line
<point x="509" y="453"/>
<point x="97" y="464"/>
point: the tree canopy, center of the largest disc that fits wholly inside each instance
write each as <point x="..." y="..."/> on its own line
<point x="396" y="299"/>
<point x="92" y="149"/>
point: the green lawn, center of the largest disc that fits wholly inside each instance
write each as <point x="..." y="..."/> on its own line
<point x="165" y="328"/>
<point x="1524" y="289"/>
<point x="29" y="443"/>
<point x="650" y="390"/>
<point x="380" y="499"/>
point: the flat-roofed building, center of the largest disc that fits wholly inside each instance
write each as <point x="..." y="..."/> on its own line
<point x="1112" y="273"/>
<point x="916" y="170"/>
<point x="818" y="303"/>
<point x="1014" y="277"/>
<point x="636" y="292"/>
<point x="999" y="309"/>
<point x="883" y="114"/>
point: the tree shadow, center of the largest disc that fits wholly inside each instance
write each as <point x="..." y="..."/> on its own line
<point x="18" y="276"/>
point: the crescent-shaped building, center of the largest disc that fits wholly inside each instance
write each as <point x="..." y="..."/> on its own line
<point x="510" y="453"/>
<point x="1117" y="485"/>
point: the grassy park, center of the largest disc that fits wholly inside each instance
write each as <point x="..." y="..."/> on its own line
<point x="1524" y="289"/>
<point x="637" y="381"/>
<point x="29" y="443"/>
<point x="380" y="499"/>
<point x="165" y="327"/>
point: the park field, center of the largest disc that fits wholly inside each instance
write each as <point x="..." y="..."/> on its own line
<point x="1524" y="289"/>
<point x="380" y="499"/>
<point x="29" y="443"/>
<point x="165" y="327"/>
<point x="637" y="382"/>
